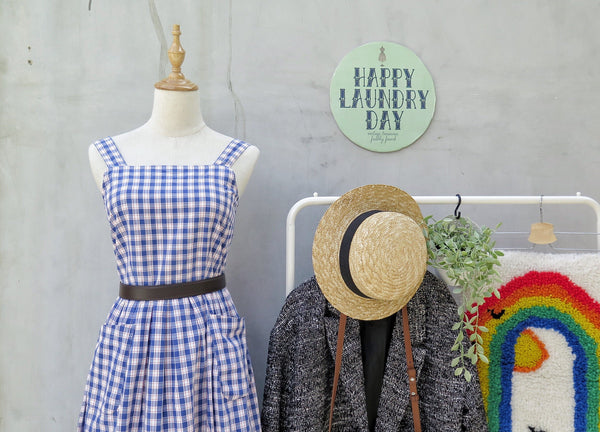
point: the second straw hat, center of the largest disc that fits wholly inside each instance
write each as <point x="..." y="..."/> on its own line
<point x="369" y="253"/>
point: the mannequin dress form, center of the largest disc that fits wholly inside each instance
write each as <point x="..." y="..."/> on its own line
<point x="176" y="133"/>
<point x="171" y="361"/>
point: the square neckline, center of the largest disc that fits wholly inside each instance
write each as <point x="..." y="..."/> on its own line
<point x="125" y="165"/>
<point x="118" y="152"/>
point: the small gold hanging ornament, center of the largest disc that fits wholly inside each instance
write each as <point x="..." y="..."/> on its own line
<point x="176" y="81"/>
<point x="542" y="233"/>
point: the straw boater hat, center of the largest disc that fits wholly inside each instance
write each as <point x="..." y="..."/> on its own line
<point x="369" y="252"/>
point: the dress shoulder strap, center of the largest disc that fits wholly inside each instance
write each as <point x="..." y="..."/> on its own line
<point x="109" y="152"/>
<point x="231" y="153"/>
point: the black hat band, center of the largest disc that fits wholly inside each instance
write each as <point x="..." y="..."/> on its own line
<point x="345" y="252"/>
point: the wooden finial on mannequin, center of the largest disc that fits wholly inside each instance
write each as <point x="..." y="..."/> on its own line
<point x="176" y="81"/>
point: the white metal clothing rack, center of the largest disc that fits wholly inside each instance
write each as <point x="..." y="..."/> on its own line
<point x="440" y="200"/>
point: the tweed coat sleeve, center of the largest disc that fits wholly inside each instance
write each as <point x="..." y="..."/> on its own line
<point x="298" y="377"/>
<point x="437" y="384"/>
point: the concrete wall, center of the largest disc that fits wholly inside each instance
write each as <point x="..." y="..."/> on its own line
<point x="516" y="82"/>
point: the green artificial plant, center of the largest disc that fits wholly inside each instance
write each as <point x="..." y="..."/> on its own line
<point x="465" y="252"/>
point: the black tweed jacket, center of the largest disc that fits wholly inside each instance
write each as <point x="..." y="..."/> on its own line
<point x="300" y="368"/>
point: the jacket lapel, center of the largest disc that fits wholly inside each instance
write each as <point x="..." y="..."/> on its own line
<point x="351" y="375"/>
<point x="394" y="401"/>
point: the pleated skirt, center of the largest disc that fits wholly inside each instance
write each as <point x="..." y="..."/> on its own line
<point x="171" y="365"/>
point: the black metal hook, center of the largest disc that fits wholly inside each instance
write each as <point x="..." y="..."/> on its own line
<point x="456" y="212"/>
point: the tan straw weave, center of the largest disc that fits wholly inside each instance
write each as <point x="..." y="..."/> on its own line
<point x="387" y="255"/>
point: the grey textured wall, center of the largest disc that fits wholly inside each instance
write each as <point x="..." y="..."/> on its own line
<point x="516" y="113"/>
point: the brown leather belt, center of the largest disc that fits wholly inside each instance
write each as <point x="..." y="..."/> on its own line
<point x="171" y="291"/>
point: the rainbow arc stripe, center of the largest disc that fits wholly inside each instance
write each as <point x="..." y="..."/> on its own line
<point x="547" y="300"/>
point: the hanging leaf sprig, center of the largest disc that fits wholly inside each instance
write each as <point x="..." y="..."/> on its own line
<point x="466" y="253"/>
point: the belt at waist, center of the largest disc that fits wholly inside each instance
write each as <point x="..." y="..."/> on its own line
<point x="171" y="291"/>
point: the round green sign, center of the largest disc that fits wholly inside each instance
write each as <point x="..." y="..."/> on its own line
<point x="382" y="96"/>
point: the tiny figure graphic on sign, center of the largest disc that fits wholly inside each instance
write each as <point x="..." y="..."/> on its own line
<point x="382" y="55"/>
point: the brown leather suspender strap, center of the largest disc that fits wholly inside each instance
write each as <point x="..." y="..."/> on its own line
<point x="412" y="373"/>
<point x="338" y="364"/>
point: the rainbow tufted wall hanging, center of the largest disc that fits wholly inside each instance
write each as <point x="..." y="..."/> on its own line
<point x="543" y="344"/>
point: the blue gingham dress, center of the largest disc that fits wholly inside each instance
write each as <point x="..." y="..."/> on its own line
<point x="171" y="365"/>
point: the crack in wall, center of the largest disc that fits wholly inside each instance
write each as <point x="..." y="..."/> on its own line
<point x="160" y="34"/>
<point x="237" y="103"/>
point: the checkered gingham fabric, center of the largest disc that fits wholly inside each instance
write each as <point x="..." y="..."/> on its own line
<point x="181" y="364"/>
